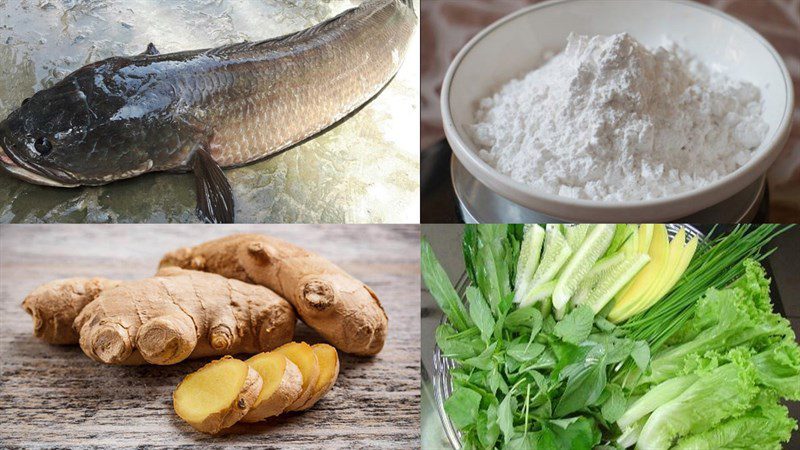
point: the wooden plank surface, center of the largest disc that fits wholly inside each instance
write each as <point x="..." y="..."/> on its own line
<point x="56" y="396"/>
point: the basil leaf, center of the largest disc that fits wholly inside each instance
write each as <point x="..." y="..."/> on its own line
<point x="615" y="405"/>
<point x="462" y="406"/>
<point x="525" y="352"/>
<point x="582" y="389"/>
<point x="505" y="416"/>
<point x="523" y="319"/>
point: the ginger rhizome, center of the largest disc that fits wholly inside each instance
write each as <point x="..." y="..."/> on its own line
<point x="218" y="395"/>
<point x="182" y="314"/>
<point x="205" y="399"/>
<point x="342" y="309"/>
<point x="165" y="319"/>
<point x="55" y="305"/>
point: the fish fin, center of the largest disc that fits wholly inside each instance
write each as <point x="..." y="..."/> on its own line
<point x="214" y="194"/>
<point x="151" y="50"/>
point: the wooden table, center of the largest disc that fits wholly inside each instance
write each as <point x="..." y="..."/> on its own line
<point x="56" y="396"/>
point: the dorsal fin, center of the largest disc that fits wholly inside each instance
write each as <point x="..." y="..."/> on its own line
<point x="320" y="28"/>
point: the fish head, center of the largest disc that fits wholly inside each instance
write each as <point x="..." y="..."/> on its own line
<point x="63" y="136"/>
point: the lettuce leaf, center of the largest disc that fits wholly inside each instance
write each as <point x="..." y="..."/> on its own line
<point x="718" y="395"/>
<point x="740" y="315"/>
<point x="763" y="427"/>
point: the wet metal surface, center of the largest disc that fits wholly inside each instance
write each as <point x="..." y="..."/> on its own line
<point x="364" y="170"/>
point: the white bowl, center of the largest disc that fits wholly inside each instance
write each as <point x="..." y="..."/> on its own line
<point x="517" y="44"/>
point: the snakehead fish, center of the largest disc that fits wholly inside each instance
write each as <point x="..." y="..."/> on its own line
<point x="208" y="109"/>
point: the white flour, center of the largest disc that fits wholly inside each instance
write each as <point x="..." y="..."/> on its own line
<point x="609" y="119"/>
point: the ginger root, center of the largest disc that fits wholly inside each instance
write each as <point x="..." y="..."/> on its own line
<point x="218" y="395"/>
<point x="328" y="360"/>
<point x="345" y="311"/>
<point x="303" y="356"/>
<point x="55" y="305"/>
<point x="182" y="314"/>
<point x="283" y="384"/>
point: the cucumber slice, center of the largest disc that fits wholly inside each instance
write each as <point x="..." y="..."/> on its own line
<point x="529" y="255"/>
<point x="538" y="293"/>
<point x="595" y="276"/>
<point x="556" y="253"/>
<point x="607" y="278"/>
<point x="579" y="265"/>
<point x="575" y="234"/>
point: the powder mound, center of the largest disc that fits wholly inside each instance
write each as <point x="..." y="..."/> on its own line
<point x="609" y="119"/>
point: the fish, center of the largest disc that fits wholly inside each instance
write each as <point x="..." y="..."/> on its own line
<point x="201" y="111"/>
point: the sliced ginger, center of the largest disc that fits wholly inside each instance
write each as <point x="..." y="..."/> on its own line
<point x="303" y="356"/>
<point x="218" y="395"/>
<point x="328" y="360"/>
<point x="292" y="377"/>
<point x="283" y="384"/>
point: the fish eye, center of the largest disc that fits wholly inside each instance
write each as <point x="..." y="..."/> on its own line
<point x="43" y="146"/>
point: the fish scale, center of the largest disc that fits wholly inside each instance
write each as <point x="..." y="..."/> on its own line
<point x="258" y="100"/>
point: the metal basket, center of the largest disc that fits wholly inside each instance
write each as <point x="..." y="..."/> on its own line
<point x="443" y="384"/>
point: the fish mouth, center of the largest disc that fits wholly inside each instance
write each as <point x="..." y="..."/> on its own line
<point x="32" y="173"/>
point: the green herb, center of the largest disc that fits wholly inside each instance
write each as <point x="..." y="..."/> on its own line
<point x="576" y="326"/>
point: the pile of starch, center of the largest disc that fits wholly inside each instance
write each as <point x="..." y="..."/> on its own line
<point x="612" y="120"/>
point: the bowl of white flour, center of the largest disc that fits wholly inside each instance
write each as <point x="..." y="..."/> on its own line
<point x="617" y="110"/>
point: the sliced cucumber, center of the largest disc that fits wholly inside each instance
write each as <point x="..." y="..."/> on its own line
<point x="538" y="293"/>
<point x="579" y="265"/>
<point x="529" y="255"/>
<point x="607" y="278"/>
<point x="575" y="234"/>
<point x="596" y="275"/>
<point x="556" y="253"/>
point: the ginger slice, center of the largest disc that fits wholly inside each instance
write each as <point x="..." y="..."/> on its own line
<point x="217" y="395"/>
<point x="328" y="360"/>
<point x="283" y="384"/>
<point x="304" y="357"/>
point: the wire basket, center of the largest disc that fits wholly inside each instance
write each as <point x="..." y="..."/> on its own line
<point x="443" y="384"/>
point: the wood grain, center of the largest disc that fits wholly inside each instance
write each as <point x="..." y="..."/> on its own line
<point x="56" y="396"/>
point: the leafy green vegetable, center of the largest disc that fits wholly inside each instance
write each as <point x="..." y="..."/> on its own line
<point x="724" y="319"/>
<point x="480" y="313"/>
<point x="696" y="372"/>
<point x="490" y="253"/>
<point x="614" y="406"/>
<point x="462" y="406"/>
<point x="585" y="383"/>
<point x="720" y="394"/>
<point x="763" y="427"/>
<point x="442" y="289"/>
<point x="576" y="326"/>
